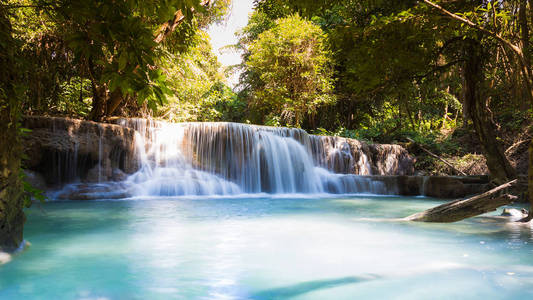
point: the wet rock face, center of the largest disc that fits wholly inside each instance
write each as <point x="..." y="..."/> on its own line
<point x="444" y="187"/>
<point x="64" y="149"/>
<point x="68" y="150"/>
<point x="454" y="186"/>
<point x="392" y="160"/>
<point x="350" y="156"/>
<point x="447" y="187"/>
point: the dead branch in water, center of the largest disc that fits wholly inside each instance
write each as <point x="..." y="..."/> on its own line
<point x="461" y="209"/>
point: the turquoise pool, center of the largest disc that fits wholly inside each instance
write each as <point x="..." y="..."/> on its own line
<point x="265" y="248"/>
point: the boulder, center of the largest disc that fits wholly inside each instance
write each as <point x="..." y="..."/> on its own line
<point x="4" y="258"/>
<point x="82" y="191"/>
<point x="513" y="212"/>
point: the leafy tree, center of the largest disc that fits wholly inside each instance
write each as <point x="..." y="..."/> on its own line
<point x="294" y="70"/>
<point x="430" y="63"/>
<point x="110" y="47"/>
<point x="197" y="85"/>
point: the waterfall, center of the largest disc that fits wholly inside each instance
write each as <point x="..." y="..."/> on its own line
<point x="230" y="158"/>
<point x="423" y="186"/>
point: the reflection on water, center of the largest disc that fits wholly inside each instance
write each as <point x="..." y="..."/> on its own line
<point x="307" y="287"/>
<point x="266" y="248"/>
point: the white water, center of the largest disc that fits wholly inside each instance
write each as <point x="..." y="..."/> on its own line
<point x="229" y="158"/>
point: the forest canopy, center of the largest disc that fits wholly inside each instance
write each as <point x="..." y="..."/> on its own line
<point x="454" y="76"/>
<point x="97" y="59"/>
<point x="439" y="72"/>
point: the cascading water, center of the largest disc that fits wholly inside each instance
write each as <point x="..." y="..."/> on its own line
<point x="230" y="158"/>
<point x="166" y="171"/>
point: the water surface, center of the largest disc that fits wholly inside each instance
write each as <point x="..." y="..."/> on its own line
<point x="265" y="248"/>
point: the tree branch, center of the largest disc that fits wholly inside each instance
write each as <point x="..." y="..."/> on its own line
<point x="168" y="27"/>
<point x="522" y="58"/>
<point x="438" y="68"/>
<point x="515" y="48"/>
<point x="461" y="209"/>
<point x="438" y="157"/>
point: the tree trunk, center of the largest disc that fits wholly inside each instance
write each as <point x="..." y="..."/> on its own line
<point x="11" y="191"/>
<point x="99" y="94"/>
<point x="524" y="31"/>
<point x="530" y="183"/>
<point x="11" y="200"/>
<point x="114" y="101"/>
<point x="524" y="41"/>
<point x="99" y="99"/>
<point x="461" y="209"/>
<point x="499" y="166"/>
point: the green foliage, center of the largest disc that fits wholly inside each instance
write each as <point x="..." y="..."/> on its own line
<point x="29" y="192"/>
<point x="294" y="70"/>
<point x="198" y="88"/>
<point x="74" y="98"/>
<point x="122" y="47"/>
<point x="110" y="46"/>
<point x="399" y="67"/>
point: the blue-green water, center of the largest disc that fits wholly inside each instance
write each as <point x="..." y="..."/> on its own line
<point x="258" y="248"/>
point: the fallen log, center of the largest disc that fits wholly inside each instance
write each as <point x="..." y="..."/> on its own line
<point x="461" y="209"/>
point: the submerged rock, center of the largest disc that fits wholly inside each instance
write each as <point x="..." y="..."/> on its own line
<point x="513" y="212"/>
<point x="4" y="258"/>
<point x="81" y="191"/>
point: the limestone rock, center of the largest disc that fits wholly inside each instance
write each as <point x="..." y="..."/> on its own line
<point x="4" y="258"/>
<point x="65" y="149"/>
<point x="351" y="156"/>
<point x="444" y="187"/>
<point x="109" y="190"/>
<point x="513" y="212"/>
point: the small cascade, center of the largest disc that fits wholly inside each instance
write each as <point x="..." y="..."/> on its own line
<point x="424" y="186"/>
<point x="341" y="155"/>
<point x="364" y="164"/>
<point x="100" y="154"/>
<point x="332" y="153"/>
<point x="230" y="158"/>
